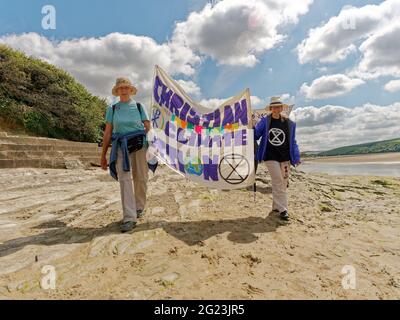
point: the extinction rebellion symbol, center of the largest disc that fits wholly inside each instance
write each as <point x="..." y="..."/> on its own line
<point x="234" y="168"/>
<point x="276" y="137"/>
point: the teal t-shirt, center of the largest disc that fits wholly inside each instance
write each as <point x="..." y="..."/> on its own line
<point x="127" y="117"/>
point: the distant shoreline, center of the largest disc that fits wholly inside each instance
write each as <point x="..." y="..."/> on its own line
<point x="392" y="157"/>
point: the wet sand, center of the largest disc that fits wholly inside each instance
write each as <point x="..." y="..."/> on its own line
<point x="371" y="158"/>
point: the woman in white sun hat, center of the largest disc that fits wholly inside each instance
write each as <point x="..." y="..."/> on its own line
<point x="127" y="123"/>
<point x="279" y="149"/>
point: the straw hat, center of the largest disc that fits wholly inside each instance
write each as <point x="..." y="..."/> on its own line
<point x="275" y="102"/>
<point x="123" y="82"/>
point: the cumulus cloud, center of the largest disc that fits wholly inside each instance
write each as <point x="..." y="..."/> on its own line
<point x="330" y="126"/>
<point x="381" y="53"/>
<point x="96" y="62"/>
<point x="213" y="103"/>
<point x="190" y="87"/>
<point x="235" y="32"/>
<point x="337" y="38"/>
<point x="330" y="86"/>
<point x="392" y="86"/>
<point x="231" y="31"/>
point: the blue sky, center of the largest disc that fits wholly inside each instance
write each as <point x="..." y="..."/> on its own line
<point x="156" y="18"/>
<point x="278" y="70"/>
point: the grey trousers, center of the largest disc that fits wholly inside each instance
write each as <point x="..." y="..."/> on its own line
<point x="279" y="172"/>
<point x="133" y="197"/>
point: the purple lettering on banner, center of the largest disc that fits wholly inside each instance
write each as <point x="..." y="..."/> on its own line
<point x="157" y="83"/>
<point x="241" y="112"/>
<point x="217" y="139"/>
<point x="244" y="137"/>
<point x="194" y="118"/>
<point x="171" y="153"/>
<point x="165" y="97"/>
<point x="228" y="136"/>
<point x="241" y="138"/>
<point x="228" y="116"/>
<point x="166" y="129"/>
<point x="181" y="162"/>
<point x="176" y="104"/>
<point x="217" y="118"/>
<point x="184" y="111"/>
<point x="194" y="139"/>
<point x="170" y="130"/>
<point x="174" y="158"/>
<point x="210" y="168"/>
<point x="207" y="118"/>
<point x="161" y="147"/>
<point x="204" y="140"/>
<point x="181" y="136"/>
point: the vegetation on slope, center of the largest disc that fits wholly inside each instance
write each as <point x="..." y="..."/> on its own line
<point x="45" y="100"/>
<point x="372" y="147"/>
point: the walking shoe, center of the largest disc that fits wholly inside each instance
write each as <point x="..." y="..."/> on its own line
<point x="284" y="215"/>
<point x="140" y="213"/>
<point x="128" y="226"/>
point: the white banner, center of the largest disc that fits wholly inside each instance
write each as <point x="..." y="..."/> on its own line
<point x="214" y="148"/>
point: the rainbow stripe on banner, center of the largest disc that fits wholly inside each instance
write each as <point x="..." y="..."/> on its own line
<point x="198" y="129"/>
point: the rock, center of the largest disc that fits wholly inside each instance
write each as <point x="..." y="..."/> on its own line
<point x="155" y="270"/>
<point x="14" y="286"/>
<point x="171" y="277"/>
<point x="111" y="245"/>
<point x="135" y="295"/>
<point x="8" y="226"/>
<point x="73" y="164"/>
<point x="14" y="262"/>
<point x="158" y="210"/>
<point x="144" y="244"/>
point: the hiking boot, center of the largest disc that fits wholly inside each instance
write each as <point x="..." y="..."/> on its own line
<point x="284" y="215"/>
<point x="128" y="226"/>
<point x="139" y="213"/>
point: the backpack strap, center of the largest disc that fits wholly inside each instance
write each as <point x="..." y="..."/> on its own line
<point x="138" y="105"/>
<point x="140" y="109"/>
<point x="113" y="109"/>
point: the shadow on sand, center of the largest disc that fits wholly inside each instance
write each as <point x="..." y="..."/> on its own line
<point x="241" y="230"/>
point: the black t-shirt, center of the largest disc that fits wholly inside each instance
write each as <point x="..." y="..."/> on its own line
<point x="278" y="147"/>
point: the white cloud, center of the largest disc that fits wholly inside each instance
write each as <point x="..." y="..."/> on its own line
<point x="190" y="87"/>
<point x="335" y="126"/>
<point x="381" y="53"/>
<point x="336" y="39"/>
<point x="287" y="98"/>
<point x="235" y="32"/>
<point x="257" y="102"/>
<point x="96" y="62"/>
<point x="330" y="86"/>
<point x="230" y="31"/>
<point x="392" y="86"/>
<point x="213" y="103"/>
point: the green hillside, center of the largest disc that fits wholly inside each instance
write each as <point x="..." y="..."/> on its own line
<point x="41" y="99"/>
<point x="372" y="147"/>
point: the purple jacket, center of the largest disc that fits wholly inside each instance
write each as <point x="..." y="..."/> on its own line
<point x="261" y="131"/>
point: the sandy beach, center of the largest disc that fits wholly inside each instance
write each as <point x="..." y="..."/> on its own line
<point x="363" y="158"/>
<point x="196" y="243"/>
